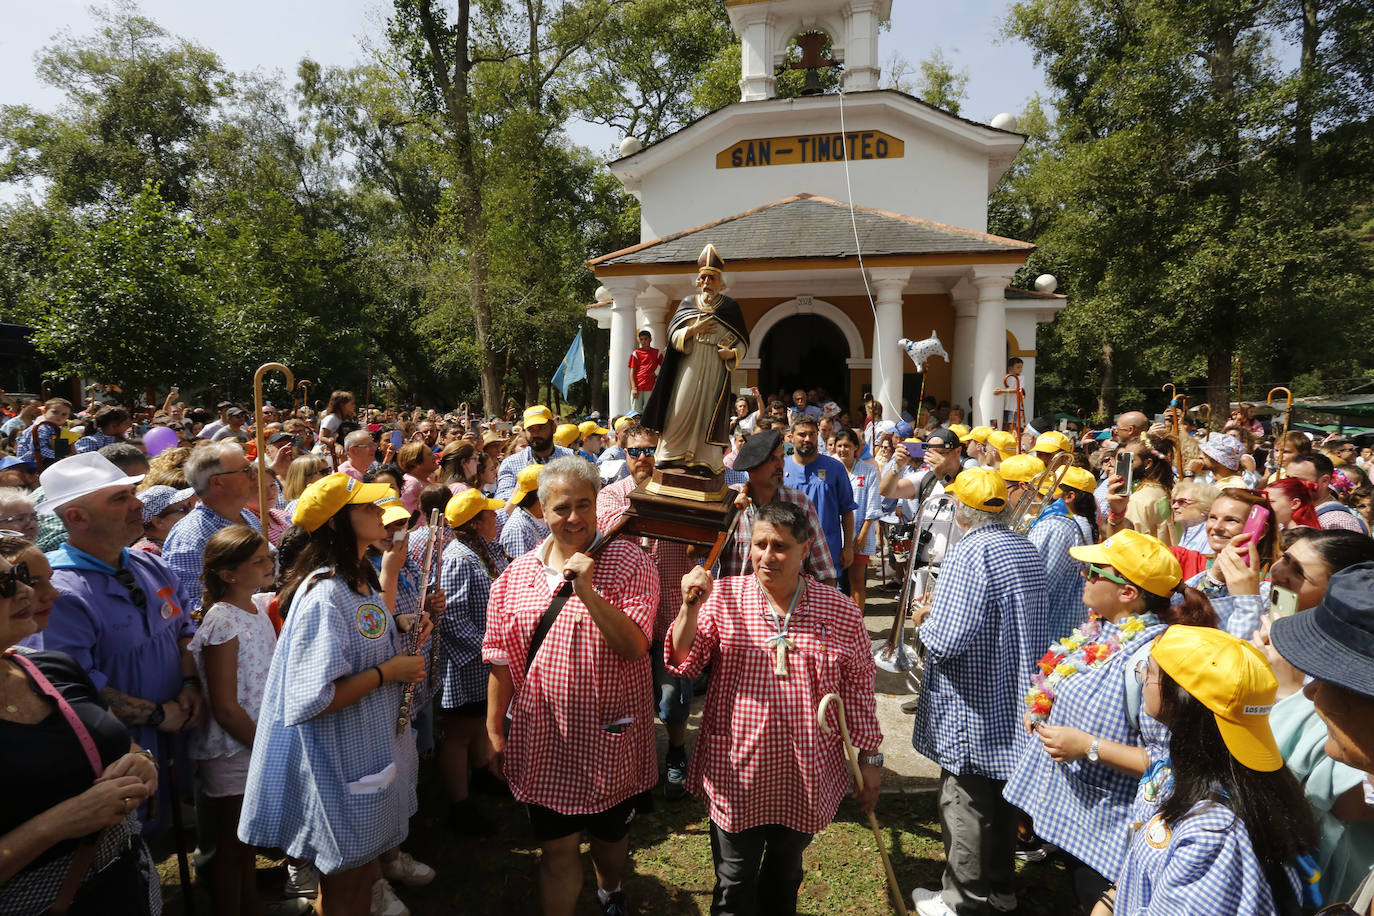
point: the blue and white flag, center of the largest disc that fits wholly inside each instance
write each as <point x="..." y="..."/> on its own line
<point x="573" y="368"/>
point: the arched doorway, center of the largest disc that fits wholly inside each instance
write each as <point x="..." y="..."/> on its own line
<point x="805" y="351"/>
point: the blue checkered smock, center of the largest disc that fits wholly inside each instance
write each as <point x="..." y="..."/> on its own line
<point x="522" y="533"/>
<point x="466" y="585"/>
<point x="1084" y="808"/>
<point x="184" y="549"/>
<point x="510" y="468"/>
<point x="1240" y="615"/>
<point x="1053" y="537"/>
<point x="1206" y="865"/>
<point x="989" y="624"/>
<point x="338" y="789"/>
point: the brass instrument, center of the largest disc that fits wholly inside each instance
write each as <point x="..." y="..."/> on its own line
<point x="1019" y="420"/>
<point x="261" y="436"/>
<point x="892" y="653"/>
<point x="1287" y="418"/>
<point x="413" y="637"/>
<point x="1039" y="493"/>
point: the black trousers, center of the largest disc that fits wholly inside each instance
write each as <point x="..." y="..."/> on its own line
<point x="758" y="871"/>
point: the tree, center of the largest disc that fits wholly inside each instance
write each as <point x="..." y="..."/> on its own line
<point x="938" y="83"/>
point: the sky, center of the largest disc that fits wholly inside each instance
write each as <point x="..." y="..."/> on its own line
<point x="273" y="35"/>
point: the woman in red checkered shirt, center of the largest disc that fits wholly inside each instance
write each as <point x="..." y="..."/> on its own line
<point x="777" y="642"/>
<point x="580" y="749"/>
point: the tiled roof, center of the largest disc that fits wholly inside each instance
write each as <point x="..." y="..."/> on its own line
<point x="807" y="226"/>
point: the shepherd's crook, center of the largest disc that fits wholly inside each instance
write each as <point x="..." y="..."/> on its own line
<point x="852" y="756"/>
<point x="260" y="434"/>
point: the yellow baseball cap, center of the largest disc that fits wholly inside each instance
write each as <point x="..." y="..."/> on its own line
<point x="590" y="427"/>
<point x="1021" y="468"/>
<point x="980" y="433"/>
<point x="1231" y="678"/>
<point x="566" y="434"/>
<point x="1052" y="441"/>
<point x="1076" y="478"/>
<point x="322" y="500"/>
<point x="961" y="431"/>
<point x="463" y="507"/>
<point x="1004" y="441"/>
<point x="980" y="488"/>
<point x="526" y="482"/>
<point x="621" y="422"/>
<point x="1142" y="559"/>
<point x="392" y="510"/>
<point x="536" y="415"/>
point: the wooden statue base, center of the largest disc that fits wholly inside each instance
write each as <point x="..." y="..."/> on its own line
<point x="658" y="511"/>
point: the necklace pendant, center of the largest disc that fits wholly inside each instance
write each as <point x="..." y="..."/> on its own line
<point x="780" y="657"/>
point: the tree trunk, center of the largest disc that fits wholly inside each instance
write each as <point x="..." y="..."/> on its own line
<point x="1307" y="77"/>
<point x="1219" y="385"/>
<point x="1106" y="395"/>
<point x="529" y="374"/>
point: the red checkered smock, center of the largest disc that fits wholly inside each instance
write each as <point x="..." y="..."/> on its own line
<point x="558" y="753"/>
<point x="760" y="757"/>
<point x="669" y="557"/>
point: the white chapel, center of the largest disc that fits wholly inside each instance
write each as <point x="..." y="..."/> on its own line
<point x="847" y="221"/>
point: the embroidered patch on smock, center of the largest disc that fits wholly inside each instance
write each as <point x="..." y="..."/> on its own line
<point x="371" y="621"/>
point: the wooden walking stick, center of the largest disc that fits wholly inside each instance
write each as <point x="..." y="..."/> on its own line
<point x="261" y="435"/>
<point x="852" y="756"/>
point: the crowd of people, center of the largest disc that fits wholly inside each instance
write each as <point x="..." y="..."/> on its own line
<point x="1146" y="649"/>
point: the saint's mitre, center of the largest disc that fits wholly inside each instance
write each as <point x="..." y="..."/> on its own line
<point x="710" y="260"/>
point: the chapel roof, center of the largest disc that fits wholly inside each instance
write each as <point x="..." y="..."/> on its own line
<point x="806" y="226"/>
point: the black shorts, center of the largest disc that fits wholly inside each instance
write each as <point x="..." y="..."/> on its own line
<point x="609" y="826"/>
<point x="474" y="710"/>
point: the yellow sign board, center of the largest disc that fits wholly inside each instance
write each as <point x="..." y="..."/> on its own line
<point x="806" y="148"/>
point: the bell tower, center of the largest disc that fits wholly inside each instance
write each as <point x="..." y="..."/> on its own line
<point x="766" y="27"/>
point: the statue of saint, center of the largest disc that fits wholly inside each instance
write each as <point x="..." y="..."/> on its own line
<point x="691" y="401"/>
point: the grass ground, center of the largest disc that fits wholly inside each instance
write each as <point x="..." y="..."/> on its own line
<point x="670" y="864"/>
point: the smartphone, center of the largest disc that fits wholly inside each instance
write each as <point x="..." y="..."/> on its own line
<point x="1283" y="602"/>
<point x="1254" y="526"/>
<point x="396" y="440"/>
<point x="1125" y="469"/>
<point x="745" y="392"/>
<point x="916" y="450"/>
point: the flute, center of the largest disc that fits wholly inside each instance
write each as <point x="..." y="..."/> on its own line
<point x="412" y="646"/>
<point x="441" y="537"/>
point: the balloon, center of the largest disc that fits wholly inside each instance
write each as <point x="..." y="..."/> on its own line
<point x="158" y="439"/>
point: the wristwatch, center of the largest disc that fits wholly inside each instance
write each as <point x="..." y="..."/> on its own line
<point x="1092" y="750"/>
<point x="156" y="717"/>
<point x="873" y="760"/>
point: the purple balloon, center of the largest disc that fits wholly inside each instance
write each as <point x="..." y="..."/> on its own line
<point x="158" y="439"/>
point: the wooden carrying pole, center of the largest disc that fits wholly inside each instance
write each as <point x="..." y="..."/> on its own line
<point x="1177" y="402"/>
<point x="1020" y="416"/>
<point x="1287" y="418"/>
<point x="852" y="756"/>
<point x="260" y="434"/>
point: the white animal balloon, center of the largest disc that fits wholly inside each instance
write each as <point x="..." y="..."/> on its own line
<point x="922" y="350"/>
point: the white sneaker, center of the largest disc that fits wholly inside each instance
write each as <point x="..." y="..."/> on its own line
<point x="1003" y="903"/>
<point x="385" y="902"/>
<point x="302" y="881"/>
<point x="406" y="870"/>
<point x="930" y="903"/>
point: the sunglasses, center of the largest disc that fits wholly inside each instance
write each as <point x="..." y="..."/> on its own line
<point x="125" y="577"/>
<point x="1183" y="502"/>
<point x="639" y="451"/>
<point x="1097" y="572"/>
<point x="12" y="578"/>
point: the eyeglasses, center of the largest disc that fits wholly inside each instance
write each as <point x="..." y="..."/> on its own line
<point x="1183" y="501"/>
<point x="12" y="578"/>
<point x="174" y="510"/>
<point x="1097" y="572"/>
<point x="27" y="518"/>
<point x="250" y="470"/>
<point x="125" y="577"/>
<point x="1142" y="671"/>
<point x="639" y="451"/>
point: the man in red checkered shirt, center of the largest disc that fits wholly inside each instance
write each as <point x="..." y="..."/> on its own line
<point x="777" y="642"/>
<point x="580" y="751"/>
<point x="672" y="694"/>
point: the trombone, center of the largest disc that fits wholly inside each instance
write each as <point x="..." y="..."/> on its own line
<point x="1040" y="491"/>
<point x="892" y="653"/>
<point x="1280" y="443"/>
<point x="261" y="434"/>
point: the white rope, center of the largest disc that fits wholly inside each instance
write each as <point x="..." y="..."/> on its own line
<point x="858" y="250"/>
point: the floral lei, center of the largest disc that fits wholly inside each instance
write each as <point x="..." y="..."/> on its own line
<point x="1082" y="650"/>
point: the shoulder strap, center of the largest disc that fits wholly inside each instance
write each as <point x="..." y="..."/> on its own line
<point x="1133" y="687"/>
<point x="83" y="735"/>
<point x="560" y="598"/>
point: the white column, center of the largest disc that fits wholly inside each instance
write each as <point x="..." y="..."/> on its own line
<point x="653" y="314"/>
<point x="965" y="297"/>
<point x="889" y="361"/>
<point x="990" y="344"/>
<point x="623" y="293"/>
<point x="1021" y="324"/>
<point x="861" y="47"/>
<point x="756" y="57"/>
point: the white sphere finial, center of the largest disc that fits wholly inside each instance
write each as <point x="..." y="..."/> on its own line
<point x="1004" y="121"/>
<point x="629" y="146"/>
<point x="1046" y="283"/>
<point x="602" y="294"/>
